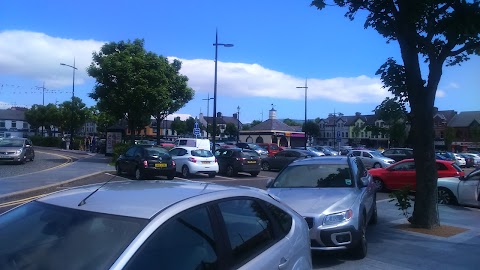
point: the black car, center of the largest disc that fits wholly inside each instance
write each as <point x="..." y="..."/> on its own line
<point x="398" y="154"/>
<point x="146" y="160"/>
<point x="281" y="159"/>
<point x="231" y="161"/>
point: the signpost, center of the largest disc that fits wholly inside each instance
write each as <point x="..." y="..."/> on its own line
<point x="196" y="130"/>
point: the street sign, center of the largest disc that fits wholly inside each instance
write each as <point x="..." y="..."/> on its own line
<point x="196" y="129"/>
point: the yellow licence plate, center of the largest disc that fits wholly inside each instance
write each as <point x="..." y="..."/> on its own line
<point x="160" y="165"/>
<point x="205" y="162"/>
<point x="251" y="161"/>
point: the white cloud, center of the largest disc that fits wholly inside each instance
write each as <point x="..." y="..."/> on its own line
<point x="453" y="86"/>
<point x="240" y="79"/>
<point x="440" y="93"/>
<point x="38" y="56"/>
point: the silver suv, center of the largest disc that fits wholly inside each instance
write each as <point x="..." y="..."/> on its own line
<point x="335" y="195"/>
<point x="154" y="225"/>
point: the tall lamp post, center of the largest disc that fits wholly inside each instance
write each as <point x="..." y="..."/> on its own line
<point x="238" y="124"/>
<point x="214" y="128"/>
<point x="305" y="123"/>
<point x="73" y="95"/>
<point x="208" y="107"/>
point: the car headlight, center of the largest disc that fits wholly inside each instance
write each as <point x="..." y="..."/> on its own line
<point x="337" y="218"/>
<point x="18" y="152"/>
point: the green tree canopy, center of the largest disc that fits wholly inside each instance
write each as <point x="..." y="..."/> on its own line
<point x="311" y="128"/>
<point x="439" y="33"/>
<point x="290" y="122"/>
<point x="67" y="120"/>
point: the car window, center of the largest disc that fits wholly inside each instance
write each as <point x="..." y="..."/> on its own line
<point x="249" y="230"/>
<point x="281" y="154"/>
<point x="294" y="154"/>
<point x="356" y="153"/>
<point x="201" y="153"/>
<point x="174" y="151"/>
<point x="366" y="154"/>
<point x="315" y="176"/>
<point x="454" y="165"/>
<point x="138" y="152"/>
<point x="362" y="170"/>
<point x="405" y="166"/>
<point x="11" y="143"/>
<point x="185" y="242"/>
<point x="475" y="175"/>
<point x="387" y="152"/>
<point x="130" y="152"/>
<point x="441" y="167"/>
<point x="249" y="154"/>
<point x="156" y="152"/>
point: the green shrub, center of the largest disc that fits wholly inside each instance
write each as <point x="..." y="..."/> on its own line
<point x="118" y="149"/>
<point x="46" y="141"/>
<point x="403" y="198"/>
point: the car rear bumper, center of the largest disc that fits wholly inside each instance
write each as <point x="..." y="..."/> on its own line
<point x="203" y="168"/>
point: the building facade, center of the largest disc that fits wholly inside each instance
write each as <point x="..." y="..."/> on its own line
<point x="13" y="124"/>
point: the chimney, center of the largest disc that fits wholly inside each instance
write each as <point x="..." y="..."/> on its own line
<point x="219" y="114"/>
<point x="272" y="114"/>
<point x="357" y="114"/>
<point x="235" y="116"/>
<point x="435" y="110"/>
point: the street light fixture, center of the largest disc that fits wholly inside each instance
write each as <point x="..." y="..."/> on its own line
<point x="305" y="123"/>
<point x="216" y="44"/>
<point x="208" y="107"/>
<point x="73" y="95"/>
<point x="238" y="123"/>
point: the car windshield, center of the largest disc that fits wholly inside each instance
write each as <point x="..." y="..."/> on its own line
<point x="315" y="176"/>
<point x="61" y="238"/>
<point x="376" y="154"/>
<point x="11" y="143"/>
<point x="201" y="153"/>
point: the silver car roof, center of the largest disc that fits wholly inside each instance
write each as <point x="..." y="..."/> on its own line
<point x="142" y="199"/>
<point x="322" y="160"/>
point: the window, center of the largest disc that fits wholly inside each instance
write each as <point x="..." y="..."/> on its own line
<point x="441" y="167"/>
<point x="2" y="123"/>
<point x="25" y="125"/>
<point x="366" y="154"/>
<point x="130" y="152"/>
<point x="14" y="124"/>
<point x="185" y="242"/>
<point x="405" y="166"/>
<point x="356" y="153"/>
<point x="248" y="228"/>
<point x="282" y="218"/>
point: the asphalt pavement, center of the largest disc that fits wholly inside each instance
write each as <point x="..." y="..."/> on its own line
<point x="389" y="246"/>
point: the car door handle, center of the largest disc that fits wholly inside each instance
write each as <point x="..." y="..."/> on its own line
<point x="283" y="263"/>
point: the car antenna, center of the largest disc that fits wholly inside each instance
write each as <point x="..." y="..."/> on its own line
<point x="82" y="202"/>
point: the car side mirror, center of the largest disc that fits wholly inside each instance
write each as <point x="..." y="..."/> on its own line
<point x="462" y="178"/>
<point x="363" y="181"/>
<point x="269" y="182"/>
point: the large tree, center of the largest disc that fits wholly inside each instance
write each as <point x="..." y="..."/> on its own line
<point x="43" y="116"/>
<point x="72" y="115"/>
<point x="127" y="79"/>
<point x="439" y="33"/>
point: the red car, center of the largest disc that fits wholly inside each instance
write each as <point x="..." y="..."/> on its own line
<point x="403" y="173"/>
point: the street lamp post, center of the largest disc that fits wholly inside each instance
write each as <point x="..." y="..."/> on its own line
<point x="73" y="96"/>
<point x="238" y="124"/>
<point x="305" y="122"/>
<point x="208" y="108"/>
<point x="214" y="128"/>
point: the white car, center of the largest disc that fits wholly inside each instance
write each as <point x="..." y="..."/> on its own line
<point x="192" y="160"/>
<point x="460" y="160"/>
<point x="464" y="190"/>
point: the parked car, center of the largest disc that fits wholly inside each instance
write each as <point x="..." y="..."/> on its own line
<point x="398" y="154"/>
<point x="231" y="161"/>
<point x="372" y="159"/>
<point x="191" y="160"/>
<point x="272" y="148"/>
<point x="193" y="142"/>
<point x="403" y="174"/>
<point x="335" y="195"/>
<point x="17" y="150"/>
<point x="464" y="190"/>
<point x="469" y="160"/>
<point x="146" y="160"/>
<point x="344" y="150"/>
<point x="327" y="150"/>
<point x="311" y="149"/>
<point x="281" y="159"/>
<point x="154" y="225"/>
<point x="262" y="152"/>
<point x="460" y="160"/>
<point x="476" y="159"/>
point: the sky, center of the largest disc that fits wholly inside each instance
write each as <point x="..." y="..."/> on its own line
<point x="278" y="47"/>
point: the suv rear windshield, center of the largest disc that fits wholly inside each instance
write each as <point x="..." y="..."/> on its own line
<point x="248" y="154"/>
<point x="201" y="153"/>
<point x="315" y="176"/>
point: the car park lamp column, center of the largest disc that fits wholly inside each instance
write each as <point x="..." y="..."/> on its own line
<point x="305" y="121"/>
<point x="73" y="96"/>
<point x="238" y="123"/>
<point x="214" y="127"/>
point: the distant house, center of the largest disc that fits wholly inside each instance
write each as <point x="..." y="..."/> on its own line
<point x="466" y="126"/>
<point x="13" y="124"/>
<point x="440" y="124"/>
<point x="221" y="122"/>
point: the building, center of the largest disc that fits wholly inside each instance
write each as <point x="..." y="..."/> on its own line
<point x="273" y="131"/>
<point x="13" y="124"/>
<point x="466" y="131"/>
<point x="222" y="122"/>
<point x="440" y="124"/>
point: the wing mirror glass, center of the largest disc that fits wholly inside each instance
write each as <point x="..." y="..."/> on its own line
<point x="269" y="182"/>
<point x="364" y="181"/>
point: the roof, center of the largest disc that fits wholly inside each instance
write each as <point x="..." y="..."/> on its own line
<point x="223" y="120"/>
<point x="12" y="115"/>
<point x="141" y="199"/>
<point x="273" y="124"/>
<point x="465" y="119"/>
<point x="445" y="115"/>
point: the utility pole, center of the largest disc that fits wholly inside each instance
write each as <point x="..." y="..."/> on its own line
<point x="43" y="99"/>
<point x="305" y="122"/>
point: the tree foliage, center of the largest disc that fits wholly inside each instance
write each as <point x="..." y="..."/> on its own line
<point x="394" y="115"/>
<point x="290" y="122"/>
<point x="72" y="115"/>
<point x="311" y="128"/>
<point x="231" y="130"/>
<point x="439" y="33"/>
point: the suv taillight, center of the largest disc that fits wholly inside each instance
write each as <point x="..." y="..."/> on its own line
<point x="145" y="164"/>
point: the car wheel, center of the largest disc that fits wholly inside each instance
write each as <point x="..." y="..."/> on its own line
<point x="185" y="171"/>
<point x="360" y="250"/>
<point x="231" y="171"/>
<point x="212" y="175"/>
<point x="265" y="166"/>
<point x="377" y="165"/>
<point x="374" y="217"/>
<point x="379" y="184"/>
<point x="171" y="175"/>
<point x="254" y="174"/>
<point x="445" y="196"/>
<point x="117" y="168"/>
<point x="138" y="174"/>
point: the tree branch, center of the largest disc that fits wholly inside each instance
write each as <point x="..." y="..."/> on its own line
<point x="470" y="45"/>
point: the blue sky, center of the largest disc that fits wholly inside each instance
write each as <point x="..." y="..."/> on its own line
<point x="277" y="44"/>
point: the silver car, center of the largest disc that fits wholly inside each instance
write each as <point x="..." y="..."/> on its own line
<point x="372" y="159"/>
<point x="336" y="196"/>
<point x="17" y="150"/>
<point x="154" y="225"/>
<point x="463" y="190"/>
